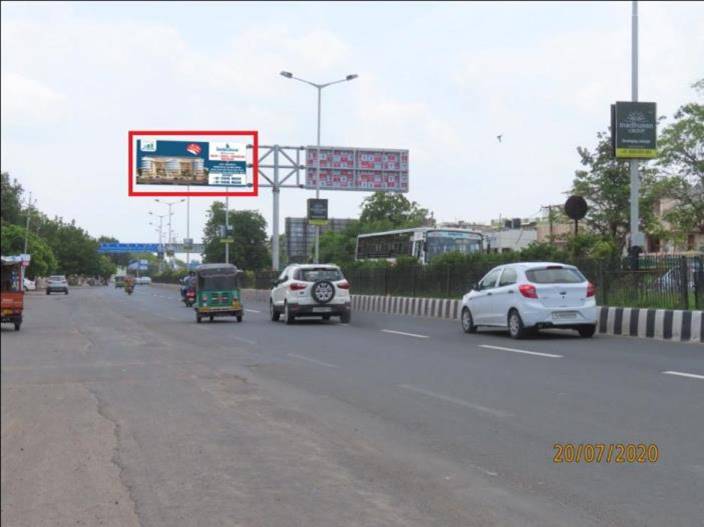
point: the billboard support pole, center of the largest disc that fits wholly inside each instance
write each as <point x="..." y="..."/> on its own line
<point x="636" y="236"/>
<point x="227" y="226"/>
<point x="275" y="190"/>
<point x="188" y="227"/>
<point x="317" y="180"/>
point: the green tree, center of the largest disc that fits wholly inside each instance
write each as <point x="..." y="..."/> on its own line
<point x="681" y="162"/>
<point x="43" y="261"/>
<point x="394" y="209"/>
<point x="249" y="250"/>
<point x="76" y="252"/>
<point x="605" y="185"/>
<point x="10" y="200"/>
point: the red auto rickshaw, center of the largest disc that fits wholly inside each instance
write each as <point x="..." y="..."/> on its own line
<point x="12" y="291"/>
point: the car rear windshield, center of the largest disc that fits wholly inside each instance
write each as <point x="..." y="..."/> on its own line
<point x="313" y="275"/>
<point x="555" y="275"/>
<point x="56" y="277"/>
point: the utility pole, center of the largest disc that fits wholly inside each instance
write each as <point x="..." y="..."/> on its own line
<point x="26" y="229"/>
<point x="637" y="238"/>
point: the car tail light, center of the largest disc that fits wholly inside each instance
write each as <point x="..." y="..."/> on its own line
<point x="528" y="291"/>
<point x="344" y="285"/>
<point x="297" y="286"/>
<point x="591" y="289"/>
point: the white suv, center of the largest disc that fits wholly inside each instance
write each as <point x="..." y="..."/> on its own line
<point x="304" y="290"/>
<point x="525" y="297"/>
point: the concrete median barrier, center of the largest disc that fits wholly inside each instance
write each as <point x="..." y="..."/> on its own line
<point x="663" y="324"/>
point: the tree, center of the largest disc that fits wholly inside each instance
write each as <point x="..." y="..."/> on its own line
<point x="76" y="252"/>
<point x="10" y="200"/>
<point x="681" y="161"/>
<point x="43" y="261"/>
<point x="394" y="209"/>
<point x="605" y="185"/>
<point x="249" y="249"/>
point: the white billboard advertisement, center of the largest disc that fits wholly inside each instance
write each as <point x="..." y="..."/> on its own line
<point x="359" y="169"/>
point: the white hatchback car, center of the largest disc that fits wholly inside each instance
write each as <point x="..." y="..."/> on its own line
<point x="528" y="296"/>
<point x="304" y="290"/>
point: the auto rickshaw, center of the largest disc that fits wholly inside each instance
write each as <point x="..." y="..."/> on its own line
<point x="12" y="292"/>
<point x="217" y="292"/>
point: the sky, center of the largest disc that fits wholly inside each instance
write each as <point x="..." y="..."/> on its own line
<point x="439" y="79"/>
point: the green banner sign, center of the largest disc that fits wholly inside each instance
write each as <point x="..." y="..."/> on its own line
<point x="634" y="130"/>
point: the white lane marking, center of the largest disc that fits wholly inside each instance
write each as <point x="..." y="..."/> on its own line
<point x="536" y="353"/>
<point x="455" y="400"/>
<point x="404" y="333"/>
<point x="684" y="374"/>
<point x="252" y="311"/>
<point x="319" y="362"/>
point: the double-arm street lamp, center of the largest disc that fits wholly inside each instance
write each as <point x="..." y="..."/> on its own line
<point x="319" y="87"/>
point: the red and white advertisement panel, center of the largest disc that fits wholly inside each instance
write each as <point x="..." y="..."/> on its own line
<point x="360" y="169"/>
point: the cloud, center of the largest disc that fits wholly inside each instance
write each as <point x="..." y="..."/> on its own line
<point x="28" y="101"/>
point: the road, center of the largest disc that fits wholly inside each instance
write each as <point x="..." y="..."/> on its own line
<point x="121" y="410"/>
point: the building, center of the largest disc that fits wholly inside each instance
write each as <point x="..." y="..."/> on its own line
<point x="692" y="241"/>
<point x="300" y="236"/>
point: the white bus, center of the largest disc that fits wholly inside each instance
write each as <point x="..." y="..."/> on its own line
<point x="422" y="242"/>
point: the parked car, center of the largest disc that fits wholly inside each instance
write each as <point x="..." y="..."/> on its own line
<point x="673" y="279"/>
<point x="57" y="284"/>
<point x="29" y="285"/>
<point x="305" y="290"/>
<point x="529" y="296"/>
<point x="143" y="280"/>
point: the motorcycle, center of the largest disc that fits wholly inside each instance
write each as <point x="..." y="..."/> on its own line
<point x="189" y="297"/>
<point x="129" y="289"/>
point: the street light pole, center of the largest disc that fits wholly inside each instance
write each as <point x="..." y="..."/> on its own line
<point x="170" y="204"/>
<point x="319" y="87"/>
<point x="637" y="238"/>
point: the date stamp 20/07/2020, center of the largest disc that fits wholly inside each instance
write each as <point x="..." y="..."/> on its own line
<point x="605" y="453"/>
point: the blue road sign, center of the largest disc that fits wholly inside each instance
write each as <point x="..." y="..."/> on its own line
<point x="128" y="248"/>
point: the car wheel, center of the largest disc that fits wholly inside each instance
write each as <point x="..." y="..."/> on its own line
<point x="326" y="317"/>
<point x="66" y="292"/>
<point x="273" y="313"/>
<point x="17" y="326"/>
<point x="239" y="318"/>
<point x="47" y="292"/>
<point x="468" y="322"/>
<point x="345" y="318"/>
<point x="288" y="317"/>
<point x="587" y="332"/>
<point x="515" y="325"/>
<point x="198" y="319"/>
<point x="212" y="318"/>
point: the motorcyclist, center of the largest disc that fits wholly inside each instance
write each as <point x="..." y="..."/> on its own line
<point x="188" y="282"/>
<point x="129" y="283"/>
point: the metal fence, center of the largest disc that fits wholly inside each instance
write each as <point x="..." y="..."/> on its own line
<point x="667" y="282"/>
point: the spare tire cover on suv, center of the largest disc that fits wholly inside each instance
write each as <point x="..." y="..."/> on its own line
<point x="322" y="291"/>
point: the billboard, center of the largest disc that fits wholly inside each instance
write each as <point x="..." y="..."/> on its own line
<point x="634" y="130"/>
<point x="365" y="169"/>
<point x="317" y="211"/>
<point x="216" y="163"/>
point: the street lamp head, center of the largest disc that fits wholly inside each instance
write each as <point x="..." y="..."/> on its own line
<point x="287" y="74"/>
<point x="351" y="77"/>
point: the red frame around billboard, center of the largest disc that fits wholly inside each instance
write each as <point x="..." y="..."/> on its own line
<point x="255" y="162"/>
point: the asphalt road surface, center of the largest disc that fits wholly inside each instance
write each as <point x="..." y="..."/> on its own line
<point x="122" y="411"/>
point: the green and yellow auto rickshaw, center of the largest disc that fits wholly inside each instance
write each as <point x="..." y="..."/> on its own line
<point x="218" y="292"/>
